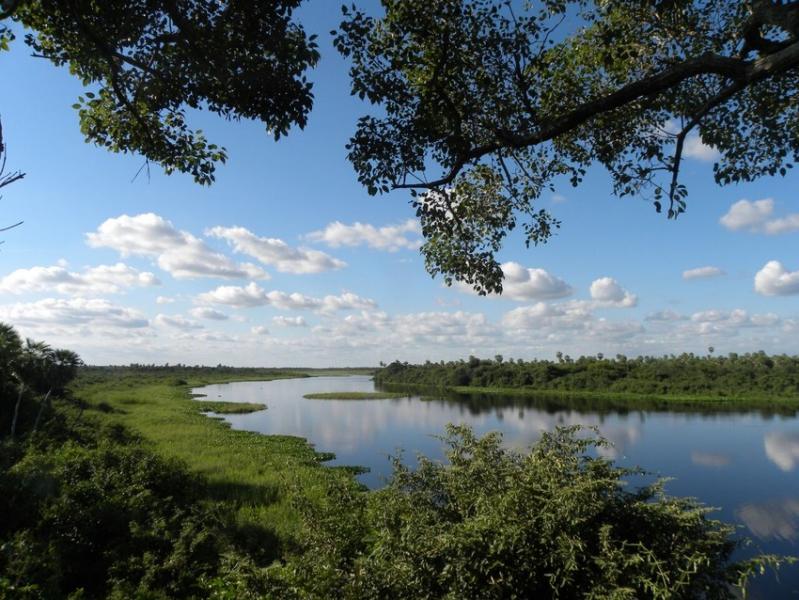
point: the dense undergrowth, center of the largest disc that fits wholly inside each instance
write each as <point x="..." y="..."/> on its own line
<point x="118" y="486"/>
<point x="745" y="376"/>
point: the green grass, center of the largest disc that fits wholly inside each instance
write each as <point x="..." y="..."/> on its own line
<point x="230" y="408"/>
<point x="254" y="476"/>
<point x="355" y="395"/>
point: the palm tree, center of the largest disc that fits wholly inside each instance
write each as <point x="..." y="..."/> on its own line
<point x="31" y="372"/>
<point x="10" y="350"/>
<point x="60" y="368"/>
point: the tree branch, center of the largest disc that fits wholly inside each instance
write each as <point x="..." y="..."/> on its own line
<point x="742" y="72"/>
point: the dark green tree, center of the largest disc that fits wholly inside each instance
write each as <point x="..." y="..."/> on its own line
<point x="146" y="64"/>
<point x="481" y="104"/>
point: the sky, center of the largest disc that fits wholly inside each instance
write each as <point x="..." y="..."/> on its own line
<point x="287" y="261"/>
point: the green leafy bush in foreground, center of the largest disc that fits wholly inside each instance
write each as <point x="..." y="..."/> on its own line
<point x="496" y="523"/>
<point x="106" y="519"/>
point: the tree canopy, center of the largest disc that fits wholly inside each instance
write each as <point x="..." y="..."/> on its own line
<point x="146" y="64"/>
<point x="483" y="103"/>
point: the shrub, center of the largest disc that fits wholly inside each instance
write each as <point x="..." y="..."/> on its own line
<point x="497" y="523"/>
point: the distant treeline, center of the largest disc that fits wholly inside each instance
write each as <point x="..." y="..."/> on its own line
<point x="734" y="375"/>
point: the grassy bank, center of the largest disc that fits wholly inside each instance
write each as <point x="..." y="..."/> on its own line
<point x="253" y="475"/>
<point x="355" y="395"/>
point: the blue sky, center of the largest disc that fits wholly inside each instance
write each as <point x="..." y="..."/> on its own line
<point x="98" y="250"/>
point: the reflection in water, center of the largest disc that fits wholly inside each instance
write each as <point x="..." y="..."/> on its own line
<point x="709" y="459"/>
<point x="782" y="448"/>
<point x="772" y="520"/>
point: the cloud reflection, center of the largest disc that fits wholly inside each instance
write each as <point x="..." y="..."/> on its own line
<point x="772" y="520"/>
<point x="709" y="459"/>
<point x="782" y="448"/>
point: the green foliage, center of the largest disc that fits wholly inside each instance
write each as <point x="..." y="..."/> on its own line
<point x="30" y="375"/>
<point x="754" y="375"/>
<point x="499" y="99"/>
<point x="106" y="519"/>
<point x="146" y="65"/>
<point x="496" y="523"/>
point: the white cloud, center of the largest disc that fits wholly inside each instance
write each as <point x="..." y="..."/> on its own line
<point x="276" y="252"/>
<point x="237" y="296"/>
<point x="102" y="279"/>
<point x="558" y="198"/>
<point x="164" y="300"/>
<point x="702" y="273"/>
<point x="775" y="280"/>
<point x="204" y="312"/>
<point x="757" y="217"/>
<point x="289" y="321"/>
<point x="176" y="322"/>
<point x="723" y="322"/>
<point x="259" y="330"/>
<point x="523" y="284"/>
<point x="71" y="312"/>
<point x="694" y="147"/>
<point x="665" y="316"/>
<point x="606" y="291"/>
<point x="389" y="238"/>
<point x="253" y="295"/>
<point x="542" y="315"/>
<point x="177" y="252"/>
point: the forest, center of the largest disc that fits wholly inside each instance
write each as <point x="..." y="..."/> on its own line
<point x="745" y="376"/>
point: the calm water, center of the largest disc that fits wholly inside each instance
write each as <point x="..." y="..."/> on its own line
<point x="745" y="463"/>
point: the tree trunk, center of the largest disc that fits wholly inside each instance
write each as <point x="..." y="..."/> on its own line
<point x="16" y="409"/>
<point x="45" y="402"/>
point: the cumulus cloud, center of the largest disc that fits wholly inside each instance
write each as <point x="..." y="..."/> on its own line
<point x="665" y="316"/>
<point x="702" y="273"/>
<point x="205" y="312"/>
<point x="606" y="291"/>
<point x="523" y="284"/>
<point x="775" y="280"/>
<point x="102" y="279"/>
<point x="253" y="295"/>
<point x="389" y="238"/>
<point x="259" y="330"/>
<point x="543" y="315"/>
<point x="177" y="252"/>
<point x="694" y="147"/>
<point x="276" y="252"/>
<point x="72" y="311"/>
<point x="289" y="321"/>
<point x="757" y="217"/>
<point x="164" y="300"/>
<point x="729" y="323"/>
<point x="176" y="322"/>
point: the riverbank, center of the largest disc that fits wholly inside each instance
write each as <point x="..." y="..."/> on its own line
<point x="255" y="477"/>
<point x="742" y="381"/>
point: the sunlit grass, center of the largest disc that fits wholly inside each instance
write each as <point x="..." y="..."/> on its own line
<point x="253" y="475"/>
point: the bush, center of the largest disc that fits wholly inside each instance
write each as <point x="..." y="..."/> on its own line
<point x="108" y="519"/>
<point x="495" y="523"/>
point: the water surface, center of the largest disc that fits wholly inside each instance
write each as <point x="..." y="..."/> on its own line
<point x="744" y="462"/>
